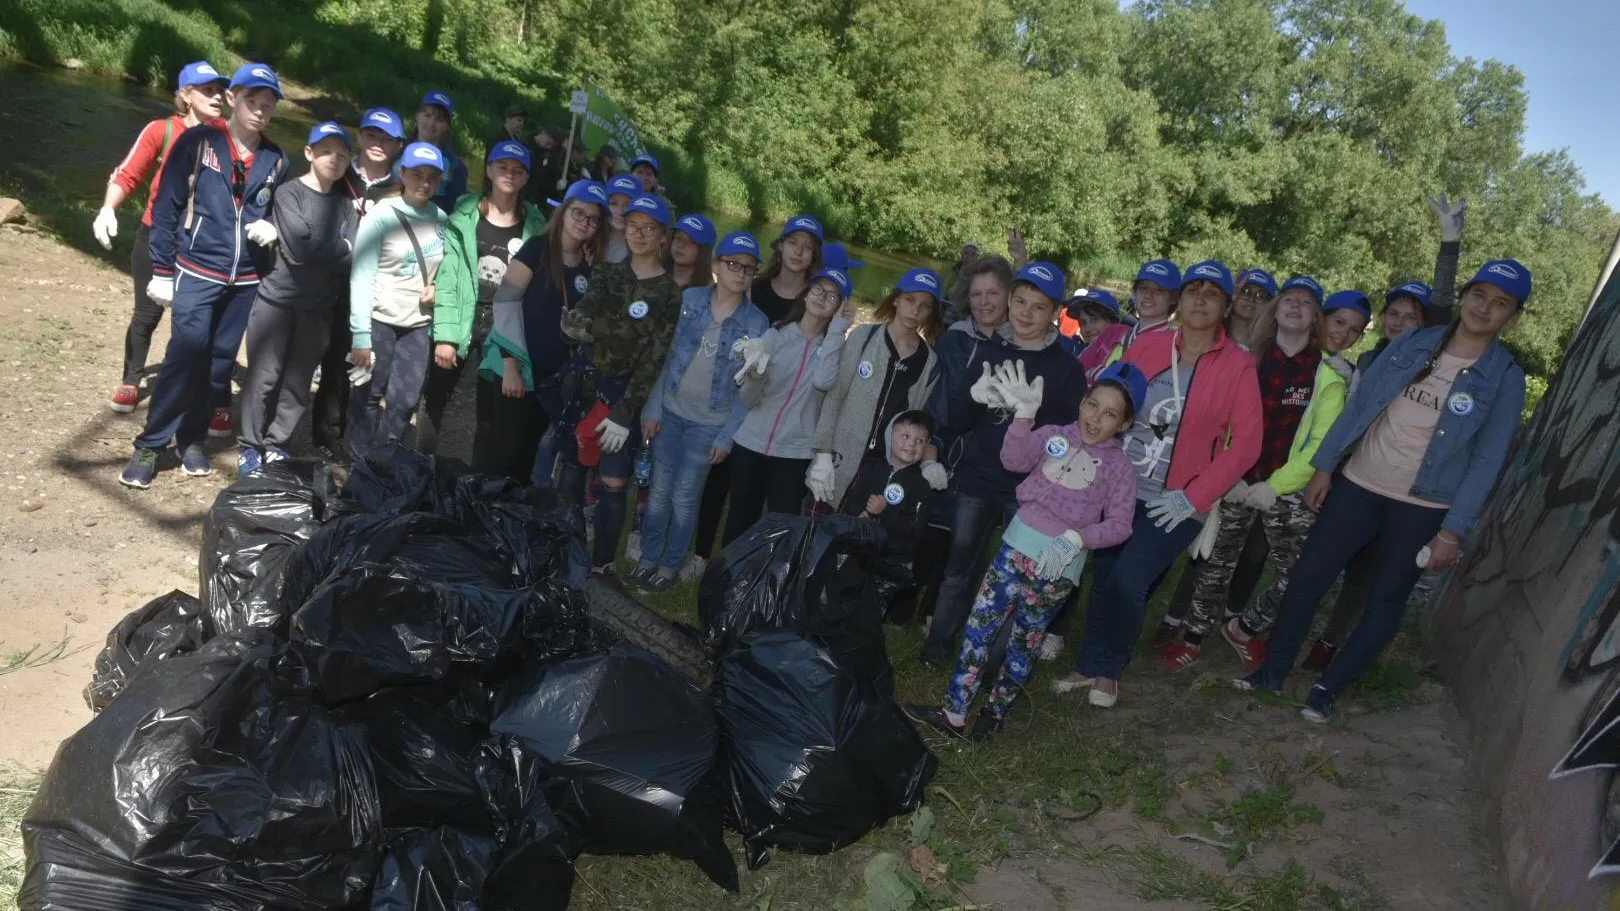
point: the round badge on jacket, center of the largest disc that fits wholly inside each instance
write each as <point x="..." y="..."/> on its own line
<point x="894" y="494"/>
<point x="1057" y="446"/>
<point x="1460" y="403"/>
<point x="262" y="197"/>
<point x="638" y="309"/>
<point x="864" y="370"/>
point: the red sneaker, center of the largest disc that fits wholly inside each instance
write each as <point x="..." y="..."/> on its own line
<point x="124" y="399"/>
<point x="1320" y="657"/>
<point x="1250" y="649"/>
<point x="220" y="426"/>
<point x="1177" y="656"/>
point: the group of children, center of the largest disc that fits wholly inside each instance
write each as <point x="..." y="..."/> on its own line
<point x="617" y="344"/>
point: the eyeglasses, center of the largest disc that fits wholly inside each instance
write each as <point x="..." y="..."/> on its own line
<point x="642" y="230"/>
<point x="1255" y="291"/>
<point x="737" y="268"/>
<point x="822" y="294"/>
<point x="579" y="217"/>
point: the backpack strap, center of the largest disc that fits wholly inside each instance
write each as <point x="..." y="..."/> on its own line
<point x="168" y="140"/>
<point x="410" y="235"/>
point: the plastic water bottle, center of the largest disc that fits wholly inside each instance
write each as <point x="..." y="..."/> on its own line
<point x="644" y="465"/>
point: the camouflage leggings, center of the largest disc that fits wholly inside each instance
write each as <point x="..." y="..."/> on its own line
<point x="1286" y="526"/>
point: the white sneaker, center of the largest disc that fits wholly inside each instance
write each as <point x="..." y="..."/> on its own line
<point x="632" y="546"/>
<point x="1101" y="699"/>
<point x="692" y="568"/>
<point x="1051" y="648"/>
<point x="1067" y="684"/>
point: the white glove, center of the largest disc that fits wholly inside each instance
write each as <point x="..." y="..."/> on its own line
<point x="1238" y="494"/>
<point x="1022" y="396"/>
<point x="262" y="233"/>
<point x="936" y="475"/>
<point x="754" y="359"/>
<point x="984" y="389"/>
<point x="161" y="291"/>
<point x="613" y="435"/>
<point x="1450" y="215"/>
<point x="820" y="478"/>
<point x="1261" y="496"/>
<point x="1057" y="556"/>
<point x="1171" y="509"/>
<point x="105" y="227"/>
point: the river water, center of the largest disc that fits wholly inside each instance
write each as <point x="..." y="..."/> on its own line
<point x="65" y="131"/>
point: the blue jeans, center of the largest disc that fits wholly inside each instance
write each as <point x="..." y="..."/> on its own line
<point x="680" y="455"/>
<point x="1352" y="517"/>
<point x="975" y="519"/>
<point x="206" y="322"/>
<point x="1122" y="583"/>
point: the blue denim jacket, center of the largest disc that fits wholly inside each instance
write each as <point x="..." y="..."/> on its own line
<point x="748" y="322"/>
<point x="1466" y="453"/>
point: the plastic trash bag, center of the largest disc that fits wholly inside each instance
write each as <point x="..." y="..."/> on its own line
<point x="395" y="479"/>
<point x="248" y="535"/>
<point x="163" y="628"/>
<point x="443" y="869"/>
<point x="814" y="758"/>
<point x="425" y="747"/>
<point x="213" y="781"/>
<point x="631" y="745"/>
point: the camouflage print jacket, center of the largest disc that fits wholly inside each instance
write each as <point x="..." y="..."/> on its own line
<point x="632" y="324"/>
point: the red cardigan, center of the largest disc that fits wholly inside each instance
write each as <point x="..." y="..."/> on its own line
<point x="1219" y="437"/>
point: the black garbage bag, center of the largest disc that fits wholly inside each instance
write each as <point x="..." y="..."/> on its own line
<point x="630" y="744"/>
<point x="163" y="628"/>
<point x="395" y="479"/>
<point x="425" y="745"/>
<point x="212" y="781"/>
<point x="814" y="758"/>
<point x="248" y="536"/>
<point x="821" y="577"/>
<point x="439" y="869"/>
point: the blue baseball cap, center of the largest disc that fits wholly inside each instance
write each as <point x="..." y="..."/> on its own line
<point x="647" y="160"/>
<point x="1046" y="277"/>
<point x="256" y="76"/>
<point x="651" y="206"/>
<point x="1308" y="283"/>
<point x="590" y="191"/>
<point x="625" y="185"/>
<point x="385" y="120"/>
<point x="1348" y="300"/>
<point x="1095" y="297"/>
<point x="806" y="223"/>
<point x="441" y="99"/>
<point x="509" y="151"/>
<point x="835" y="256"/>
<point x="422" y="155"/>
<point x="1209" y="270"/>
<point x="921" y="278"/>
<point x="1510" y="275"/>
<point x="839" y="278"/>
<point x="1161" y="272"/>
<point x="199" y="73"/>
<point x="1419" y="291"/>
<point x="1129" y="377"/>
<point x="697" y="227"/>
<point x="331" y="129"/>
<point x="1258" y="277"/>
<point x="738" y="243"/>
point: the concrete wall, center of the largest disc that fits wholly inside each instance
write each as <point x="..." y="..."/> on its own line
<point x="1528" y="635"/>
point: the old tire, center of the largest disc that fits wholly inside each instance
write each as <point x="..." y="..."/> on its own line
<point x="645" y="628"/>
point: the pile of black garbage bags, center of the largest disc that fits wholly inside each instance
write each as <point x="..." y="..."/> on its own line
<point x="393" y="695"/>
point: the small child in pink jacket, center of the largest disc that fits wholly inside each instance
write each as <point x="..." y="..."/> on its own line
<point x="1080" y="495"/>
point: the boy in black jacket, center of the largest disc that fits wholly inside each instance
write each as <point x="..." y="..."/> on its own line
<point x="893" y="491"/>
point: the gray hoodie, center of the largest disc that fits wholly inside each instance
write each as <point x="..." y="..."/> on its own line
<point x="851" y="406"/>
<point x="783" y="405"/>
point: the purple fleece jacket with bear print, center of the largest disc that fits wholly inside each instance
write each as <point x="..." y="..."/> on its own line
<point x="1090" y="489"/>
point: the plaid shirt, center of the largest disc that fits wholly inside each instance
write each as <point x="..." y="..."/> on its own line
<point x="1286" y="384"/>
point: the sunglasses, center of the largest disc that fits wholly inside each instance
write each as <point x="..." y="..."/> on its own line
<point x="1256" y="292"/>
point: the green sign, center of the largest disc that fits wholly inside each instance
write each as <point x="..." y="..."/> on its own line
<point x="605" y="123"/>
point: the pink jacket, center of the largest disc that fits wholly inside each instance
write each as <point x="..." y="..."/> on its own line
<point x="1090" y="489"/>
<point x="1110" y="346"/>
<point x="1219" y="437"/>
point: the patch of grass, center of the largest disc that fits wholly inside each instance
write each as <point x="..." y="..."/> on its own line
<point x="1389" y="684"/>
<point x="16" y="793"/>
<point x="1162" y="876"/>
<point x="37" y="655"/>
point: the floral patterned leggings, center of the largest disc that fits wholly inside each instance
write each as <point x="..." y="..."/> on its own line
<point x="1010" y="589"/>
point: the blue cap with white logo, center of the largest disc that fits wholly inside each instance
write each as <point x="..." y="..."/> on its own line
<point x="806" y="223"/>
<point x="1161" y="272"/>
<point x="331" y="129"/>
<point x="1095" y="297"/>
<point x="651" y="206"/>
<point x="1418" y="291"/>
<point x="1128" y="377"/>
<point x="385" y="120"/>
<point x="835" y="256"/>
<point x="1308" y="283"/>
<point x="1258" y="277"/>
<point x="587" y="191"/>
<point x="1510" y="275"/>
<point x="440" y="99"/>
<point x="838" y="277"/>
<point x="1348" y="300"/>
<point x="422" y="155"/>
<point x="625" y="185"/>
<point x="644" y="159"/>
<point x="256" y="76"/>
<point x="921" y="278"/>
<point x="199" y="73"/>
<point x="1209" y="270"/>
<point x="508" y="151"/>
<point x="698" y="228"/>
<point x="1046" y="277"/>
<point x="737" y="243"/>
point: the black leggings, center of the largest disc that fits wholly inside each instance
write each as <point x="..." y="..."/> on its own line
<point x="715" y="488"/>
<point x="329" y="411"/>
<point x="144" y="321"/>
<point x="509" y="431"/>
<point x="761" y="483"/>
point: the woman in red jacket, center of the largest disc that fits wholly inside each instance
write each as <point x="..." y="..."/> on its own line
<point x="199" y="96"/>
<point x="1196" y="434"/>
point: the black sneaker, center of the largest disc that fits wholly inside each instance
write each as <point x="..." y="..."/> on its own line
<point x="1165" y="634"/>
<point x="1318" y="706"/>
<point x="140" y="470"/>
<point x="194" y="461"/>
<point x="933" y="716"/>
<point x="986" y="726"/>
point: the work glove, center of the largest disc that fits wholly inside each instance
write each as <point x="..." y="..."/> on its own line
<point x="820" y="477"/>
<point x="984" y="389"/>
<point x="1238" y="494"/>
<point x="1261" y="496"/>
<point x="161" y="291"/>
<point x="754" y="358"/>
<point x="936" y="475"/>
<point x="1022" y="396"/>
<point x="105" y="227"/>
<point x="1171" y="509"/>
<point x="262" y="233"/>
<point x="613" y="436"/>
<point x="1450" y="215"/>
<point x="1057" y="555"/>
<point x="576" y="326"/>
